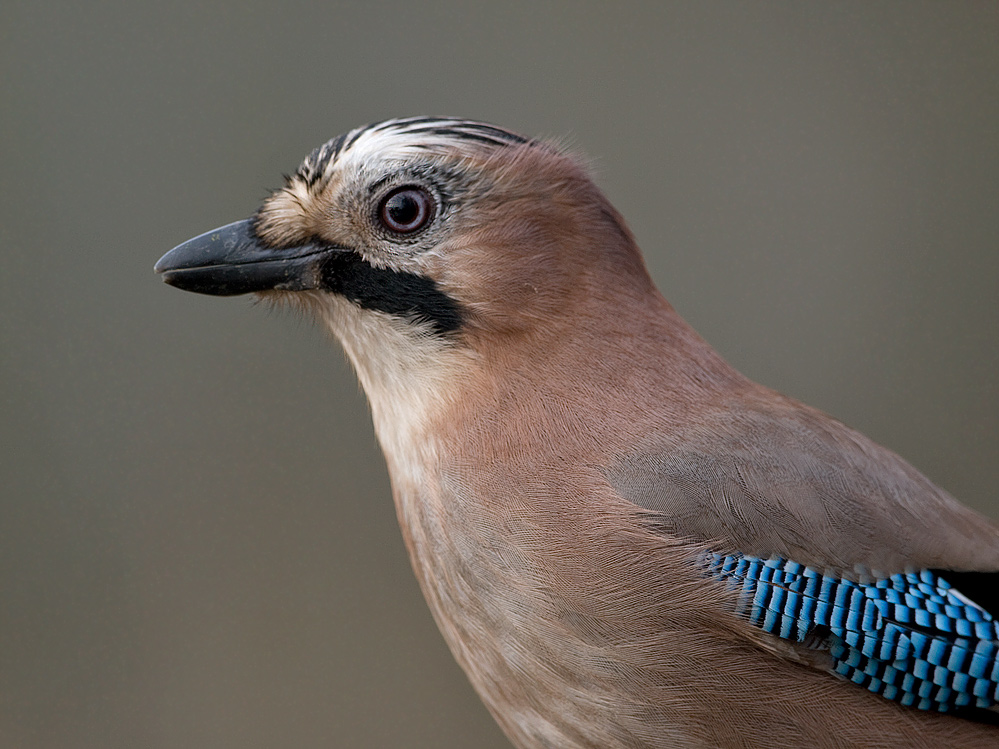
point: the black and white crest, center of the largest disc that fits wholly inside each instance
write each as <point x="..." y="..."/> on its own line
<point x="406" y="134"/>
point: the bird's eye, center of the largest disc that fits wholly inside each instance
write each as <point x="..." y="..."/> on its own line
<point x="406" y="209"/>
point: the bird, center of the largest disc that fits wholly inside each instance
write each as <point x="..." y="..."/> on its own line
<point x="624" y="541"/>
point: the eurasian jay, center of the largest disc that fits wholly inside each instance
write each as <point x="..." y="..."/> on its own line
<point x="624" y="542"/>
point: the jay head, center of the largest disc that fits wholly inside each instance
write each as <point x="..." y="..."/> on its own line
<point x="624" y="541"/>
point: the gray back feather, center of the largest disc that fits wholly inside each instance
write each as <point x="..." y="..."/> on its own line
<point x="793" y="482"/>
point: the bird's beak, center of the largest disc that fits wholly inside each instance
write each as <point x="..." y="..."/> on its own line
<point x="233" y="260"/>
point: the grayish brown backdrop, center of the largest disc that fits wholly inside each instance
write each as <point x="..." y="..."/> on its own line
<point x="197" y="545"/>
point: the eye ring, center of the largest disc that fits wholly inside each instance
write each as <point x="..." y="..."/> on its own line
<point x="406" y="209"/>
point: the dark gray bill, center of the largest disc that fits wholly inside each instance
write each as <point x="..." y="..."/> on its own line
<point x="232" y="260"/>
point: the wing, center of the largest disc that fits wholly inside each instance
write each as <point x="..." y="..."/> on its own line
<point x="910" y="637"/>
<point x="839" y="550"/>
<point x="766" y="476"/>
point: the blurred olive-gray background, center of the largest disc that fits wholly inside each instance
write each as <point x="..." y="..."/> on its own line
<point x="197" y="543"/>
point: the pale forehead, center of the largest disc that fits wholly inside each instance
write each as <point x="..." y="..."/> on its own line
<point x="402" y="140"/>
<point x="364" y="155"/>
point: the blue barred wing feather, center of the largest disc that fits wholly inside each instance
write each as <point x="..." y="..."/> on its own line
<point x="910" y="637"/>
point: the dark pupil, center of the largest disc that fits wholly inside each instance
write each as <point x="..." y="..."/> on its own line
<point x="403" y="209"/>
